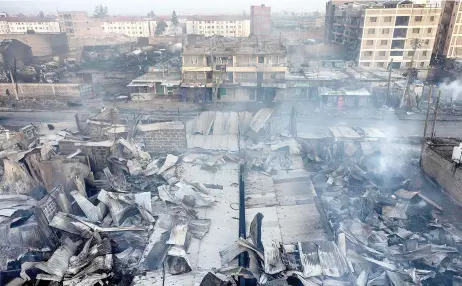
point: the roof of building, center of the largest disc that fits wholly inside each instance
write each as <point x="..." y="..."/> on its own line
<point x="218" y="18"/>
<point x="228" y="46"/>
<point x="28" y="19"/>
<point x="5" y="44"/>
<point x="126" y="19"/>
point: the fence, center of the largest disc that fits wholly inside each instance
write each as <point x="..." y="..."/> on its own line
<point x="43" y="89"/>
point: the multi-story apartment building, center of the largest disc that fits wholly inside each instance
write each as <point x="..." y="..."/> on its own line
<point x="231" y="69"/>
<point x="126" y="25"/>
<point x="225" y="25"/>
<point x="375" y="34"/>
<point x="449" y="38"/>
<point x="260" y="21"/>
<point x="79" y="24"/>
<point x="23" y="25"/>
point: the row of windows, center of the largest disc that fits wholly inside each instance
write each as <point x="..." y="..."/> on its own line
<point x="32" y="28"/>
<point x="121" y="28"/>
<point x="385" y="42"/>
<point x="392" y="53"/>
<point x="385" y="31"/>
<point x="214" y="22"/>
<point x="388" y="19"/>
<point x="32" y="23"/>
<point x="385" y="64"/>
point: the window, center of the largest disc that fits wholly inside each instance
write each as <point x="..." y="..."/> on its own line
<point x="396" y="53"/>
<point x="371" y="31"/>
<point x="410" y="54"/>
<point x="386" y="31"/>
<point x="380" y="64"/>
<point x="366" y="64"/>
<point x="427" y="42"/>
<point x="432" y="18"/>
<point x="373" y="19"/>
<point x="429" y="30"/>
<point x="261" y="59"/>
<point x="424" y="53"/>
<point x="422" y="64"/>
<point x="408" y="65"/>
<point x="369" y="42"/>
<point x="418" y="18"/>
<point x="368" y="53"/>
<point x="383" y="42"/>
<point x="387" y="19"/>
<point x="193" y="60"/>
<point x="416" y="30"/>
<point x="382" y="53"/>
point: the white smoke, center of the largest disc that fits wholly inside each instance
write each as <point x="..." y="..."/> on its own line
<point x="451" y="89"/>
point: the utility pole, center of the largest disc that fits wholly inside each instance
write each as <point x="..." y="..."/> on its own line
<point x="415" y="44"/>
<point x="390" y="67"/>
<point x="426" y="122"/>
<point x="435" y="114"/>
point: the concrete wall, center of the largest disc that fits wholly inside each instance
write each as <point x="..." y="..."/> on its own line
<point x="53" y="44"/>
<point x="166" y="137"/>
<point x="42" y="89"/>
<point x="440" y="169"/>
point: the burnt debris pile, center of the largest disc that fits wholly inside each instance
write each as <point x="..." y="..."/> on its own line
<point x="388" y="231"/>
<point x="80" y="212"/>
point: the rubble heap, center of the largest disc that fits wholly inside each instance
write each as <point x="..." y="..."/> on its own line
<point x="62" y="220"/>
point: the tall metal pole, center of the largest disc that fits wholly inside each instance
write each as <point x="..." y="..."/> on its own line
<point x="426" y="123"/>
<point x="389" y="80"/>
<point x="430" y="92"/>
<point x="436" y="113"/>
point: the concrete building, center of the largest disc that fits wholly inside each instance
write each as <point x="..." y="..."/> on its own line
<point x="170" y="30"/>
<point x="449" y="40"/>
<point x="43" y="46"/>
<point x="127" y="25"/>
<point x="23" y="25"/>
<point x="260" y="21"/>
<point x="231" y="69"/>
<point x="329" y="18"/>
<point x="79" y="24"/>
<point x="374" y="34"/>
<point x="14" y="53"/>
<point x="224" y="25"/>
<point x="155" y="85"/>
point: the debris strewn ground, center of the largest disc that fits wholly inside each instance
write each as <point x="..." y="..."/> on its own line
<point x="89" y="207"/>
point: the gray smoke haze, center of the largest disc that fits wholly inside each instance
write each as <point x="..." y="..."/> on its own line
<point x="160" y="7"/>
<point x="452" y="89"/>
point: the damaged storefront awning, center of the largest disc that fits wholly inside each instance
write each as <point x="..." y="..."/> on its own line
<point x="170" y="83"/>
<point x="357" y="92"/>
<point x="298" y="84"/>
<point x="192" y="85"/>
<point x="137" y="84"/>
<point x="249" y="84"/>
<point x="274" y="84"/>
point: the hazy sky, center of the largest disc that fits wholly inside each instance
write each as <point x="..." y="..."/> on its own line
<point x="160" y="7"/>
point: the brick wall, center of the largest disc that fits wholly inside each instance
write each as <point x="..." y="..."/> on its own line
<point x="96" y="154"/>
<point x="440" y="169"/>
<point x="43" y="89"/>
<point x="166" y="137"/>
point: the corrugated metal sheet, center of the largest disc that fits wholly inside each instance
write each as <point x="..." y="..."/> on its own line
<point x="333" y="264"/>
<point x="260" y="118"/>
<point x="342" y="133"/>
<point x="360" y="92"/>
<point x="372" y="133"/>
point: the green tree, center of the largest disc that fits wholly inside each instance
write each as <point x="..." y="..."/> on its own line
<point x="151" y="14"/>
<point x="100" y="11"/>
<point x="41" y="14"/>
<point x="174" y="19"/>
<point x="161" y="27"/>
